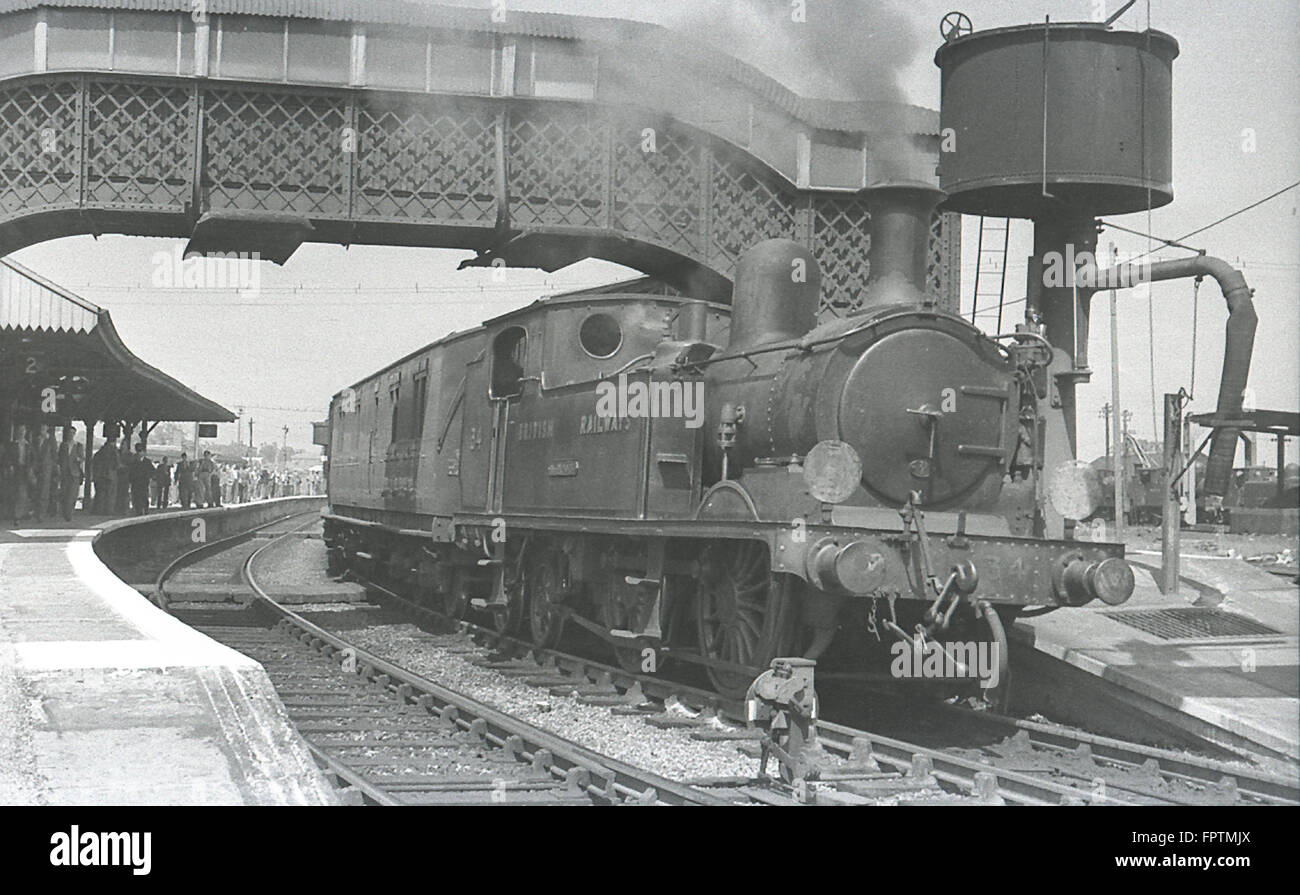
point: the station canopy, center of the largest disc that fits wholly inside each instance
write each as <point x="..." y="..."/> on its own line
<point x="1271" y="422"/>
<point x="51" y="337"/>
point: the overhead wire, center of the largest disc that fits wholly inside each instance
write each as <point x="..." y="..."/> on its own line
<point x="1199" y="230"/>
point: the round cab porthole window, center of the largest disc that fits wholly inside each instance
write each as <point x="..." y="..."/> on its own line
<point x="600" y="335"/>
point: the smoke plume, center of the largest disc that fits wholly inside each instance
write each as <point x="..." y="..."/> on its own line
<point x="833" y="49"/>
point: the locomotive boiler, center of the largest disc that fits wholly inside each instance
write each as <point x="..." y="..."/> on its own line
<point x="722" y="485"/>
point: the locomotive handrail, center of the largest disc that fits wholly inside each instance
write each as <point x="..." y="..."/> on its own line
<point x="451" y="412"/>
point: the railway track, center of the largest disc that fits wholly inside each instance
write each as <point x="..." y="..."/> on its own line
<point x="1029" y="762"/>
<point x="385" y="735"/>
<point x="346" y="718"/>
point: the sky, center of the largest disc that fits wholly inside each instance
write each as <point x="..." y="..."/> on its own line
<point x="332" y="315"/>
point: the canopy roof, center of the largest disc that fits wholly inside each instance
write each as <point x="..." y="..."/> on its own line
<point x="1273" y="422"/>
<point x="51" y="337"/>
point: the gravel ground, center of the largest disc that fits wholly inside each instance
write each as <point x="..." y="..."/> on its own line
<point x="296" y="566"/>
<point x="671" y="753"/>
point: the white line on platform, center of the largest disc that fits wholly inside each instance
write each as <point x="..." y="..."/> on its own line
<point x="188" y="645"/>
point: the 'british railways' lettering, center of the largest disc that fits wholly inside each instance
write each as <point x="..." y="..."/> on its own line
<point x="594" y="424"/>
<point x="533" y="430"/>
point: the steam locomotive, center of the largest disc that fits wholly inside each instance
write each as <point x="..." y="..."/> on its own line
<point x="728" y="484"/>
<point x="720" y="485"/>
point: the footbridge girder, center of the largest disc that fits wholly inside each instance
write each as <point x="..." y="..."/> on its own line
<point x="537" y="141"/>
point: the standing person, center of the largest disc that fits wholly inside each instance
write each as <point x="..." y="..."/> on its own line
<point x="72" y="474"/>
<point x="101" y="469"/>
<point x="140" y="473"/>
<point x="184" y="481"/>
<point x="209" y="481"/>
<point x="200" y="482"/>
<point x="8" y="477"/>
<point x="162" y="479"/>
<point x="24" y="474"/>
<point x="60" y="485"/>
<point x="218" y="482"/>
<point x="46" y="462"/>
<point x="123" y="473"/>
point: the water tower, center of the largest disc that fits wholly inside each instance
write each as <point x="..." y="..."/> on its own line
<point x="1057" y="123"/>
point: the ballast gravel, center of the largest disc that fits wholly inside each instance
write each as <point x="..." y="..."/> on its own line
<point x="668" y="752"/>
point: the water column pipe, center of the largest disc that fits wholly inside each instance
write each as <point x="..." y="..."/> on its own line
<point x="1238" y="347"/>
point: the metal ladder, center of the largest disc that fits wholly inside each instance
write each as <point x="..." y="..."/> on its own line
<point x="991" y="264"/>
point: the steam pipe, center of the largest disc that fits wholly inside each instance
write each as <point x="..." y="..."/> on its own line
<point x="1240" y="343"/>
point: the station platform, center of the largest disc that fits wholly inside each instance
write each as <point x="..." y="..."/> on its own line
<point x="107" y="700"/>
<point x="1219" y="660"/>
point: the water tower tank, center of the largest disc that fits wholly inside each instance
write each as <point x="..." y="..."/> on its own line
<point x="1107" y="98"/>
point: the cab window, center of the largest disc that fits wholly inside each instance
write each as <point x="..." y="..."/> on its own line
<point x="509" y="352"/>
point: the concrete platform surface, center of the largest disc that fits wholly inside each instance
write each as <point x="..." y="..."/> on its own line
<point x="1220" y="659"/>
<point x="107" y="700"/>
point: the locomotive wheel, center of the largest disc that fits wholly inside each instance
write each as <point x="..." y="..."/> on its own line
<point x="546" y="595"/>
<point x="744" y="613"/>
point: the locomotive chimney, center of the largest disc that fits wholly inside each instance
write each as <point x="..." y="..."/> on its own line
<point x="778" y="286"/>
<point x="900" y="242"/>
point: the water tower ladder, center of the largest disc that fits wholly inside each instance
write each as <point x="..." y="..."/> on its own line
<point x="991" y="264"/>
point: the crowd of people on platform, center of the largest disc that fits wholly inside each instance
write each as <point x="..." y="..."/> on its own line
<point x="42" y="478"/>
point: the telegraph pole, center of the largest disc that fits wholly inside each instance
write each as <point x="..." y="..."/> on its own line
<point x="1104" y="413"/>
<point x="250" y="437"/>
<point x="284" y="450"/>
